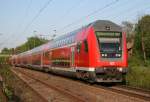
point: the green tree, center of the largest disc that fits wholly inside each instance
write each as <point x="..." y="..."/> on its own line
<point x="34" y="42"/>
<point x="142" y="38"/>
<point x="31" y="43"/>
<point x="5" y="51"/>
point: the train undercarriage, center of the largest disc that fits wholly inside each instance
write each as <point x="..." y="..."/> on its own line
<point x="100" y="75"/>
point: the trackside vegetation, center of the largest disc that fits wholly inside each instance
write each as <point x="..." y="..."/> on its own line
<point x="7" y="81"/>
<point x="139" y="73"/>
<point x="139" y="62"/>
<point x="31" y="43"/>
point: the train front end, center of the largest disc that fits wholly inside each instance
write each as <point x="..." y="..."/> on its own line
<point x="108" y="53"/>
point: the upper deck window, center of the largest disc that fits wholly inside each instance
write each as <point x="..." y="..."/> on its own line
<point x="108" y="34"/>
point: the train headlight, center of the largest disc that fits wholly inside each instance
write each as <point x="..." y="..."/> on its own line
<point x="103" y="55"/>
<point x="120" y="69"/>
<point x="118" y="55"/>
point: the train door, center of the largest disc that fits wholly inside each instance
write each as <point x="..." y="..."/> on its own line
<point x="42" y="59"/>
<point x="72" y="56"/>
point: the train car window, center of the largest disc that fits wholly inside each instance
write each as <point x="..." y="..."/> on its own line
<point x="60" y="42"/>
<point x="69" y="41"/>
<point x="46" y="54"/>
<point x="64" y="42"/>
<point x="72" y="39"/>
<point x="57" y="44"/>
<point x="78" y="47"/>
<point x="86" y="46"/>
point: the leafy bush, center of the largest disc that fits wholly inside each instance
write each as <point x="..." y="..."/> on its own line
<point x="139" y="73"/>
<point x="9" y="92"/>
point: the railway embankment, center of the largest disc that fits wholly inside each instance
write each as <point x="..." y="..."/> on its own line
<point x="15" y="89"/>
<point x="3" y="97"/>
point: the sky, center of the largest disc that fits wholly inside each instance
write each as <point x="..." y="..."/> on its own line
<point x="21" y="19"/>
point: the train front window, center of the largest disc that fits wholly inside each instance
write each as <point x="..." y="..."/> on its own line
<point x="110" y="44"/>
<point x="109" y="47"/>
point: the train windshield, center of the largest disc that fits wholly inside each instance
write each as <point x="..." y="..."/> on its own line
<point x="110" y="44"/>
<point x="110" y="47"/>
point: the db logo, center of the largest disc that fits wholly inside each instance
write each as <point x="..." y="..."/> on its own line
<point x="112" y="63"/>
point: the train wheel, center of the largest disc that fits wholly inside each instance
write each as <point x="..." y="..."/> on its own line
<point x="86" y="75"/>
<point x="78" y="74"/>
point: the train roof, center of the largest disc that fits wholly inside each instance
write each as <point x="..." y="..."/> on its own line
<point x="99" y="25"/>
<point x="105" y="25"/>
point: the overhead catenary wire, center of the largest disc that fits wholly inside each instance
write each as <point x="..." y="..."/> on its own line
<point x="128" y="10"/>
<point x="75" y="5"/>
<point x="26" y="13"/>
<point x="35" y="17"/>
<point x="96" y="11"/>
<point x="46" y="4"/>
<point x="70" y="9"/>
<point x="20" y="23"/>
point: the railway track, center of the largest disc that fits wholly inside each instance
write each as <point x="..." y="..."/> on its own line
<point x="133" y="94"/>
<point x="128" y="91"/>
<point x="124" y="90"/>
<point x="41" y="81"/>
<point x="22" y="77"/>
<point x="131" y="91"/>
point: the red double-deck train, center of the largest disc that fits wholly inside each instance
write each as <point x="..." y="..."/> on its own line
<point x="96" y="52"/>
